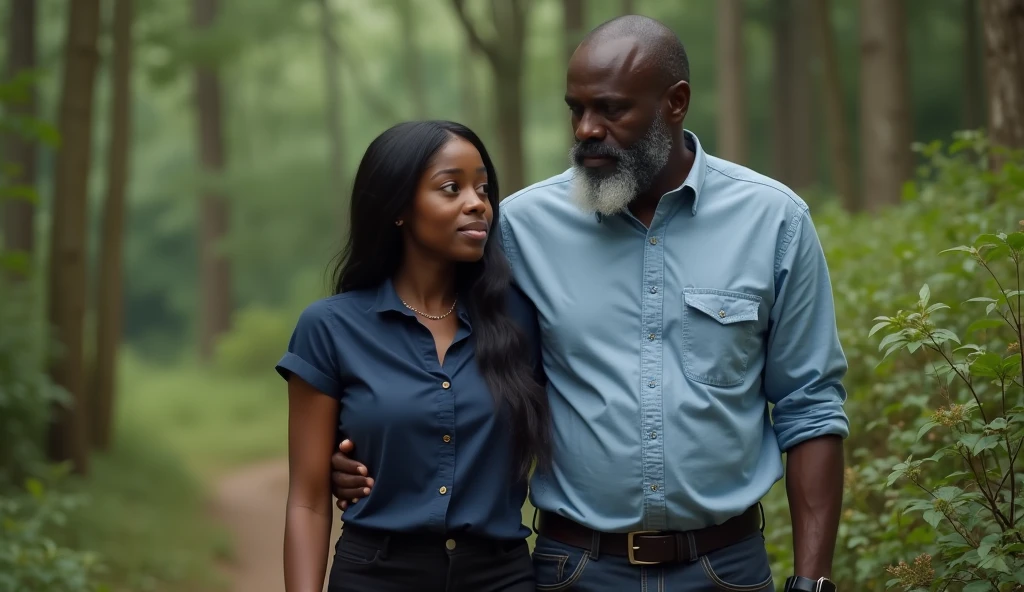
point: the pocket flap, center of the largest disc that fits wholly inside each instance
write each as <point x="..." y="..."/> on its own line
<point x="723" y="306"/>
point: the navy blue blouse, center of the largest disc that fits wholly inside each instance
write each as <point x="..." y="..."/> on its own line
<point x="429" y="434"/>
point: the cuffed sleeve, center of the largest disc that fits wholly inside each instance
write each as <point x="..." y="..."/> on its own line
<point x="312" y="353"/>
<point x="805" y="362"/>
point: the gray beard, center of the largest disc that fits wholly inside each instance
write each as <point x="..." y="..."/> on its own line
<point x="635" y="170"/>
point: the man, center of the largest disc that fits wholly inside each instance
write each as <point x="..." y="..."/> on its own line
<point x="679" y="295"/>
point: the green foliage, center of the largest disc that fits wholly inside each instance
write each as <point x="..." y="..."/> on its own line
<point x="255" y="343"/>
<point x="964" y="476"/>
<point x="877" y="264"/>
<point x="30" y="557"/>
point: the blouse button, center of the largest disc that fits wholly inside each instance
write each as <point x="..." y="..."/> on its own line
<point x="447" y="438"/>
<point x="446" y="385"/>
<point x="443" y="490"/>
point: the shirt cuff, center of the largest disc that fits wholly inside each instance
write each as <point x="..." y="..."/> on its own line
<point x="293" y="364"/>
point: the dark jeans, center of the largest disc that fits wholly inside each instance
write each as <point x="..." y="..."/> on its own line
<point x="378" y="562"/>
<point x="742" y="567"/>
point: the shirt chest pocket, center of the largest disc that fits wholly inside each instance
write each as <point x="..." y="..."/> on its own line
<point x="719" y="335"/>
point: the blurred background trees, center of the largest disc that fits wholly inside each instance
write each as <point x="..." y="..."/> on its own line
<point x="173" y="184"/>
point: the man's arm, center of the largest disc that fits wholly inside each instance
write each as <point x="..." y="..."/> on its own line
<point x="804" y="369"/>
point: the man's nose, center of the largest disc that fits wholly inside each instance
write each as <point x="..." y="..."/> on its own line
<point x="589" y="128"/>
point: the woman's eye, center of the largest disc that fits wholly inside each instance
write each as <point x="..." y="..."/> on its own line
<point x="484" y="189"/>
<point x="451" y="189"/>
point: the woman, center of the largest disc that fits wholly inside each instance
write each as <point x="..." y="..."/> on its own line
<point x="427" y="359"/>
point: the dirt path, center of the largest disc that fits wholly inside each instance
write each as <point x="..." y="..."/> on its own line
<point x="250" y="502"/>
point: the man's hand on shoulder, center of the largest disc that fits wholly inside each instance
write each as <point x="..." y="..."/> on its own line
<point x="349" y="478"/>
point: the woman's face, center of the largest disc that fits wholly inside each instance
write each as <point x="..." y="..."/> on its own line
<point x="450" y="216"/>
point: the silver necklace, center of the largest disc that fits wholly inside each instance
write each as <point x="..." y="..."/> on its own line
<point x="431" y="317"/>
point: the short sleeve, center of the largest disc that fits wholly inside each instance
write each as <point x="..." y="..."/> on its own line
<point x="312" y="354"/>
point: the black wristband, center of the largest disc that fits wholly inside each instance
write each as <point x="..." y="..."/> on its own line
<point x="802" y="584"/>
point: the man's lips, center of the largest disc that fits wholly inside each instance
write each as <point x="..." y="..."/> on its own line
<point x="475" y="230"/>
<point x="597" y="161"/>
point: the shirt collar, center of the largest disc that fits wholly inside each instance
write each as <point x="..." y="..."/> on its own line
<point x="695" y="179"/>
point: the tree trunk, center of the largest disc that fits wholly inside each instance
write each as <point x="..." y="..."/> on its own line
<point x="68" y="437"/>
<point x="332" y="98"/>
<point x="732" y="115"/>
<point x="572" y="20"/>
<point x="886" y="157"/>
<point x="469" y="100"/>
<point x="505" y="54"/>
<point x="215" y="269"/>
<point x="1003" y="22"/>
<point x="628" y="7"/>
<point x="839" y="139"/>
<point x="411" y="60"/>
<point x="108" y="315"/>
<point x="19" y="215"/>
<point x="974" y="68"/>
<point x="793" y="150"/>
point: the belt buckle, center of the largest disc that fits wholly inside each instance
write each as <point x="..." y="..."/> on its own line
<point x="630" y="548"/>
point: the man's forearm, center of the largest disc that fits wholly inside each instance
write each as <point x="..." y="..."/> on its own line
<point x="814" y="484"/>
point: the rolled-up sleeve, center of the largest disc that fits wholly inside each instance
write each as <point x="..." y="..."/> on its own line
<point x="312" y="352"/>
<point x="805" y="363"/>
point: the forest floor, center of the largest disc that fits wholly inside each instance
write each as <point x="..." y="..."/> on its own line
<point x="250" y="503"/>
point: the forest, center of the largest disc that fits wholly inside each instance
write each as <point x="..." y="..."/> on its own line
<point x="173" y="181"/>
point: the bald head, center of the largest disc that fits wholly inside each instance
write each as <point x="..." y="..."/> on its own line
<point x="654" y="45"/>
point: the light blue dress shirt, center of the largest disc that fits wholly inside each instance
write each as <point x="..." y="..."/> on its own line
<point x="664" y="346"/>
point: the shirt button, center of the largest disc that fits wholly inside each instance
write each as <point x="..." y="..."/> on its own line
<point x="721" y="314"/>
<point x="651" y="337"/>
<point x="450" y="544"/>
<point x="654" y="435"/>
<point x="654" y="289"/>
<point x="446" y="385"/>
<point x="654" y="240"/>
<point x="654" y="488"/>
<point x="447" y="438"/>
<point x="652" y="384"/>
<point x="443" y="490"/>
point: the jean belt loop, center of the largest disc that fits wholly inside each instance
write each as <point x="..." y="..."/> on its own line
<point x="595" y="545"/>
<point x="693" y="546"/>
<point x="385" y="543"/>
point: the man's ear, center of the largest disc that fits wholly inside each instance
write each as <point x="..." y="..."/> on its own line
<point x="678" y="101"/>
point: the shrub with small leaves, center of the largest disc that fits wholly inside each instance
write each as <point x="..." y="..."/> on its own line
<point x="964" y="475"/>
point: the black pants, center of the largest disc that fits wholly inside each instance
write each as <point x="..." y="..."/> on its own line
<point x="380" y="562"/>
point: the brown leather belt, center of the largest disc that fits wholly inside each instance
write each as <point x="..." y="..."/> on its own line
<point x="653" y="547"/>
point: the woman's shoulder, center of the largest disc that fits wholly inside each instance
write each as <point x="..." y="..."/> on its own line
<point x="521" y="309"/>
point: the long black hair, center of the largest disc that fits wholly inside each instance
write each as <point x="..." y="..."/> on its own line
<point x="384" y="188"/>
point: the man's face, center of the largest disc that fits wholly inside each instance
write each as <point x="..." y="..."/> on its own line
<point x="622" y="138"/>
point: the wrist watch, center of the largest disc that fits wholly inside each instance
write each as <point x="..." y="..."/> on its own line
<point x="802" y="584"/>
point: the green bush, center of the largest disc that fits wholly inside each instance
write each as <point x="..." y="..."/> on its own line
<point x="255" y="343"/>
<point x="877" y="264"/>
<point x="963" y="475"/>
<point x="30" y="557"/>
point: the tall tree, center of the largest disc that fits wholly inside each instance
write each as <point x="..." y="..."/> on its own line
<point x="1003" y="22"/>
<point x="68" y="434"/>
<point x="332" y="96"/>
<point x="886" y="157"/>
<point x="573" y="23"/>
<point x="215" y="302"/>
<point x="839" y="139"/>
<point x="793" y="140"/>
<point x="109" y="285"/>
<point x="973" y="68"/>
<point x="19" y="214"/>
<point x="410" y="58"/>
<point x="732" y="115"/>
<point x="505" y="53"/>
